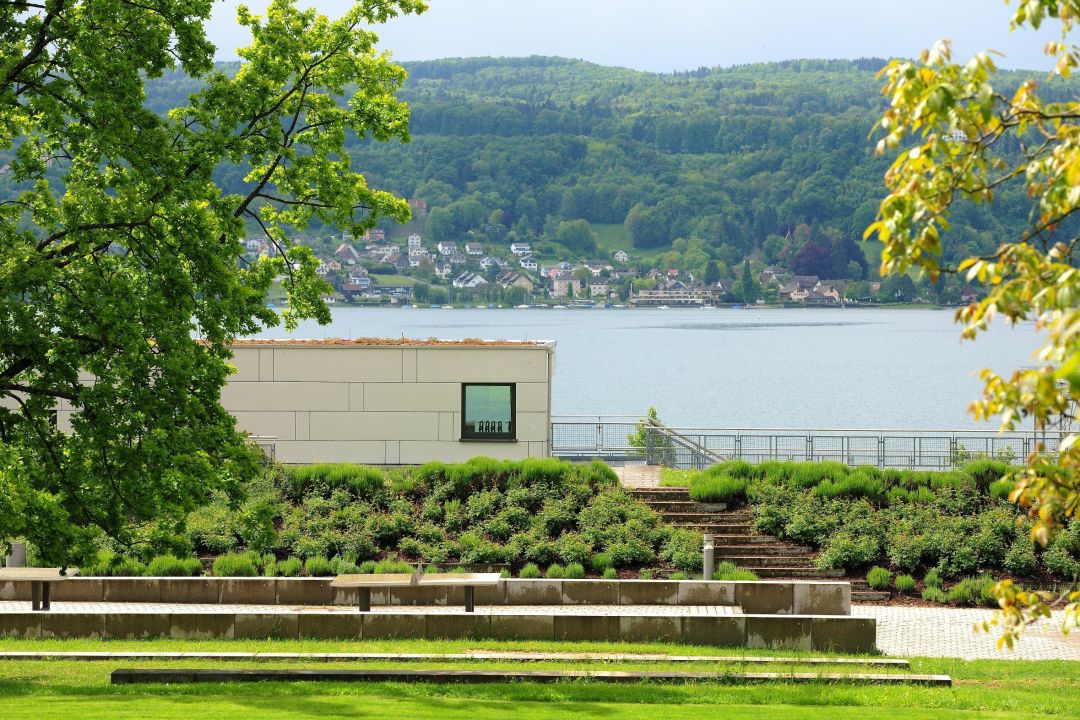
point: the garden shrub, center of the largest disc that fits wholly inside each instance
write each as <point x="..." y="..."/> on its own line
<point x="290" y="567"/>
<point x="235" y="565"/>
<point x="393" y="565"/>
<point x="671" y="477"/>
<point x="172" y="566"/>
<point x="602" y="562"/>
<point x="341" y="566"/>
<point x="905" y="548"/>
<point x="1020" y="559"/>
<point x="933" y="579"/>
<point x="572" y="548"/>
<point x="986" y="472"/>
<point x="971" y="591"/>
<point x="530" y="571"/>
<point x="610" y="574"/>
<point x="727" y="570"/>
<point x="1062" y="555"/>
<point x="719" y="489"/>
<point x="574" y="571"/>
<point x="211" y="528"/>
<point x="645" y="574"/>
<point x="878" y="578"/>
<point x="904" y="583"/>
<point x="858" y="484"/>
<point x="555" y="572"/>
<point x="1001" y="489"/>
<point x="678" y="575"/>
<point x="848" y="551"/>
<point x="809" y="475"/>
<point x="933" y="594"/>
<point x="319" y="566"/>
<point x="127" y="567"/>
<point x="359" y="481"/>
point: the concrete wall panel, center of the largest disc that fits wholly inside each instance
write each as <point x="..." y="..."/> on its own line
<point x="336" y="364"/>
<point x="284" y="396"/>
<point x="375" y="426"/>
<point x="481" y="365"/>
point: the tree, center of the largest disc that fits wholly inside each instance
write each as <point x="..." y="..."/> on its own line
<point x="711" y="273"/>
<point x="949" y="121"/>
<point x="747" y="288"/>
<point x="120" y="253"/>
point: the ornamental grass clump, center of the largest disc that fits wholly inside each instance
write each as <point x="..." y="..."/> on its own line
<point x="878" y="578"/>
<point x="172" y="566"/>
<point x="904" y="584"/>
<point x="530" y="572"/>
<point x="719" y="489"/>
<point x="727" y="570"/>
<point x="235" y="565"/>
<point x="574" y="571"/>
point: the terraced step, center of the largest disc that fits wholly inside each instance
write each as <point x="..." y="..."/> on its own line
<point x="737" y="539"/>
<point x="792" y="572"/>
<point x="664" y="493"/>
<point x="868" y="596"/>
<point x="685" y="506"/>
<point x="716" y="528"/>
<point x="758" y="549"/>
<point x="772" y="561"/>
<point x="706" y="518"/>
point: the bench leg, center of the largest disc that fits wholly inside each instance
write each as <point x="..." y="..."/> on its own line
<point x="46" y="604"/>
<point x="365" y="599"/>
<point x="35" y="595"/>
<point x="470" y="598"/>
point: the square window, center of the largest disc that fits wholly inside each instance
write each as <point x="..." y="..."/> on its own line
<point x="487" y="411"/>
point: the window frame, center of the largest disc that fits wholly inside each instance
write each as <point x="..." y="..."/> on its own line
<point x="510" y="435"/>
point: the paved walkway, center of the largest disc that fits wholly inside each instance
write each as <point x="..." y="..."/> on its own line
<point x="638" y="476"/>
<point x="948" y="632"/>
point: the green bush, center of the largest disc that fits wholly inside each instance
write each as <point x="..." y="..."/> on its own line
<point x="602" y="562"/>
<point x="904" y="583"/>
<point x="1001" y="489"/>
<point x="360" y="481"/>
<point x="849" y="551"/>
<point x="727" y="570"/>
<point x="971" y="591"/>
<point x="318" y="566"/>
<point x="235" y="565"/>
<point x="645" y="574"/>
<point x="128" y="567"/>
<point x="678" y="575"/>
<point x="610" y="574"/>
<point x="878" y="578"/>
<point x="290" y="567"/>
<point x="555" y="572"/>
<point x="393" y="565"/>
<point x="1020" y="559"/>
<point x="574" y="571"/>
<point x="933" y="580"/>
<point x="171" y="566"/>
<point x="719" y="489"/>
<point x="858" y="484"/>
<point x="1060" y="559"/>
<point x="809" y="475"/>
<point x="933" y="594"/>
<point x="987" y="472"/>
<point x="530" y="571"/>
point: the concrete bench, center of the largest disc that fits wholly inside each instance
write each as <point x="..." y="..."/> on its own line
<point x="364" y="583"/>
<point x="41" y="580"/>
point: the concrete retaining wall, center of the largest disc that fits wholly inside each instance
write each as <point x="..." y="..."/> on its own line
<point x="805" y="632"/>
<point x="754" y="597"/>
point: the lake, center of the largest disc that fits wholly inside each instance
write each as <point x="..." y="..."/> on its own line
<point x="870" y="368"/>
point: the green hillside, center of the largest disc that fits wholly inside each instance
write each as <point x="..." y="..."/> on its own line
<point x="769" y="161"/>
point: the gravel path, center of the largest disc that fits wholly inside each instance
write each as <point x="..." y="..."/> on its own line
<point x="949" y="632"/>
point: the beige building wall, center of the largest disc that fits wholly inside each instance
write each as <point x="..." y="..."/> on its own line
<point x="385" y="404"/>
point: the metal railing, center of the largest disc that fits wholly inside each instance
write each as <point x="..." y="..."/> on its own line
<point x="656" y="444"/>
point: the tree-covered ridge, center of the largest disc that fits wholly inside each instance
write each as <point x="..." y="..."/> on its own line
<point x="751" y="161"/>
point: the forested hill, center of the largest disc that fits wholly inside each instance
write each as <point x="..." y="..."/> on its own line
<point x="770" y="160"/>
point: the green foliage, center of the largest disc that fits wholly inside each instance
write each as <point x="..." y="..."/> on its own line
<point x="574" y="571"/>
<point x="933" y="579"/>
<point x="934" y="594"/>
<point x="904" y="584"/>
<point x="235" y="565"/>
<point x="645" y="574"/>
<point x="682" y="549"/>
<point x="530" y="571"/>
<point x="360" y="481"/>
<point x="121" y="240"/>
<point x="171" y="566"/>
<point x="127" y="567"/>
<point x="1020" y="559"/>
<point x="727" y="570"/>
<point x="610" y="574"/>
<point x="878" y="578"/>
<point x="555" y="572"/>
<point x="290" y="567"/>
<point x="1001" y="489"/>
<point x="718" y="489"/>
<point x="318" y="566"/>
<point x="972" y="591"/>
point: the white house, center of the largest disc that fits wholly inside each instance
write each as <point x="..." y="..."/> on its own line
<point x="469" y="280"/>
<point x="414" y="241"/>
<point x="621" y="256"/>
<point x="474" y="249"/>
<point x="529" y="263"/>
<point x="447" y="248"/>
<point x="521" y="249"/>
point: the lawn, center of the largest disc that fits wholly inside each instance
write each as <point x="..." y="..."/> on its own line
<point x="63" y="688"/>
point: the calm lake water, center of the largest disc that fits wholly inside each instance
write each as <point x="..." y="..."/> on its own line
<point x="724" y="368"/>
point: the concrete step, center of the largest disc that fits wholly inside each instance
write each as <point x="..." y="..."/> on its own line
<point x="704" y="517"/>
<point x="684" y="506"/>
<point x="793" y="572"/>
<point x="737" y="539"/>
<point x="772" y="561"/>
<point x="716" y="528"/>
<point x="758" y="549"/>
<point x="868" y="595"/>
<point x="661" y="493"/>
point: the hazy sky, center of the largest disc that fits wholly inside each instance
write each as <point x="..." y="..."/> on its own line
<point x="671" y="35"/>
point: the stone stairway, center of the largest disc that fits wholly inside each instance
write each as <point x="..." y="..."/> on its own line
<point x="736" y="538"/>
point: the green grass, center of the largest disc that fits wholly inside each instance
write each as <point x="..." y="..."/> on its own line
<point x="61" y="688"/>
<point x="392" y="280"/>
<point x="612" y="237"/>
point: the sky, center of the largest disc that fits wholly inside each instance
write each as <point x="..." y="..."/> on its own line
<point x="671" y="35"/>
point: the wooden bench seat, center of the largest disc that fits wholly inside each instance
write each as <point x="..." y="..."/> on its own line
<point x="41" y="580"/>
<point x="364" y="583"/>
